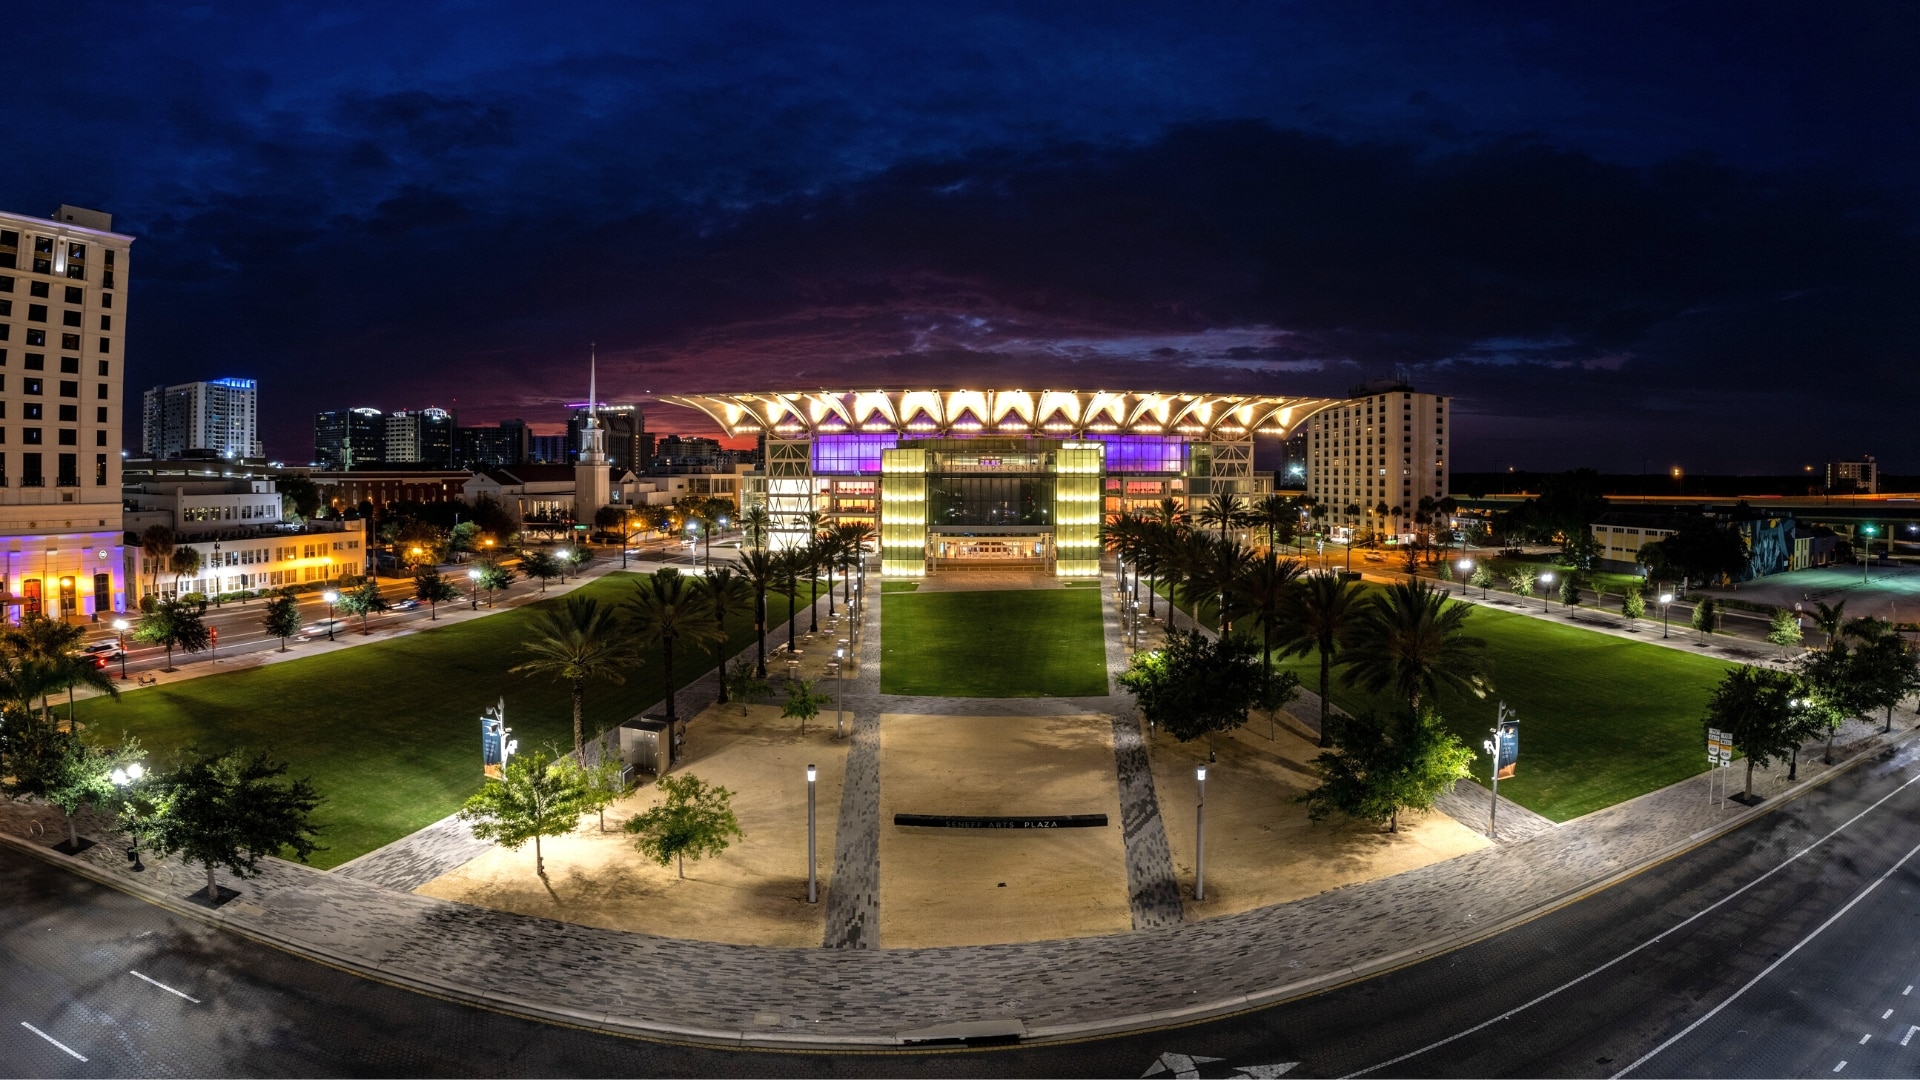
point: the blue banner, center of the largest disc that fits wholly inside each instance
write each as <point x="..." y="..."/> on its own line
<point x="1509" y="748"/>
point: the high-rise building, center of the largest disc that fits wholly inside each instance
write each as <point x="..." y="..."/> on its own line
<point x="550" y="449"/>
<point x="493" y="447"/>
<point x="422" y="435"/>
<point x="346" y="438"/>
<point x="219" y="415"/>
<point x="1373" y="457"/>
<point x="63" y="324"/>
<point x="625" y="430"/>
<point x="1860" y="477"/>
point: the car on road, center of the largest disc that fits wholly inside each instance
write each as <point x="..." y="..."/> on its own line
<point x="320" y="629"/>
<point x="409" y="604"/>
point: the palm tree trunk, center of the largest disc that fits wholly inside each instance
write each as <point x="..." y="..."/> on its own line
<point x="667" y="651"/>
<point x="793" y="610"/>
<point x="579" y="738"/>
<point x="813" y="599"/>
<point x="721" y="653"/>
<point x="1152" y="579"/>
<point x="760" y="629"/>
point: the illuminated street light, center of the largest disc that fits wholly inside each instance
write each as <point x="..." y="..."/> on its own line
<point x="474" y="592"/>
<point x="1665" y="599"/>
<point x="1545" y="579"/>
<point x="1200" y="837"/>
<point x="813" y="888"/>
<point x="120" y="631"/>
<point x="330" y="597"/>
<point x="1466" y="568"/>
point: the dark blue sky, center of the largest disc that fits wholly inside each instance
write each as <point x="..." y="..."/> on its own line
<point x="1621" y="233"/>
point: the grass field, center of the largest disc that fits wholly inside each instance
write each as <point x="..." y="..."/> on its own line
<point x="897" y="586"/>
<point x="390" y="731"/>
<point x="1602" y="719"/>
<point x="994" y="643"/>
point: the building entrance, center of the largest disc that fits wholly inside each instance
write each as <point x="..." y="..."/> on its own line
<point x="1029" y="551"/>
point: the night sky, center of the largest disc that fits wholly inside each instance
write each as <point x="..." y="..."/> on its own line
<point x="1625" y="235"/>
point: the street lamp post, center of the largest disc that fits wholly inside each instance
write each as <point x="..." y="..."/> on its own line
<point x="330" y="597"/>
<point x="1466" y="568"/>
<point x="1545" y="579"/>
<point x="839" y="678"/>
<point x="473" y="593"/>
<point x="1866" y="549"/>
<point x="120" y="631"/>
<point x="121" y="778"/>
<point x="560" y="557"/>
<point x="1665" y="599"/>
<point x="813" y="888"/>
<point x="1200" y="837"/>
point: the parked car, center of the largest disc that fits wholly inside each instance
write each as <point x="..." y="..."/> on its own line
<point x="109" y="646"/>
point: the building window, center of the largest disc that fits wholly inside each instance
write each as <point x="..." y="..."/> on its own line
<point x="31" y="435"/>
<point x="99" y="438"/>
<point x="69" y="470"/>
<point x="70" y="318"/>
<point x="36" y="361"/>
<point x="70" y="365"/>
<point x="103" y="369"/>
<point x="106" y="322"/>
<point x="69" y="414"/>
<point x="106" y="344"/>
<point x="37" y="338"/>
<point x="99" y="414"/>
<point x="36" y="313"/>
<point x="30" y="474"/>
<point x="69" y="388"/>
<point x="70" y="341"/>
<point x="33" y="386"/>
<point x="38" y="288"/>
<point x="102" y="395"/>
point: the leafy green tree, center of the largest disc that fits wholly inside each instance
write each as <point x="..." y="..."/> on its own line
<point x="1632" y="604"/>
<point x="230" y="809"/>
<point x="1521" y="582"/>
<point x="601" y="787"/>
<point x="579" y="557"/>
<point x="1379" y="768"/>
<point x="431" y="585"/>
<point x="1702" y="549"/>
<point x="540" y="565"/>
<point x="577" y="642"/>
<point x="727" y="594"/>
<point x="1784" y="630"/>
<point x="174" y="624"/>
<point x="695" y="821"/>
<point x="51" y="761"/>
<point x="1572" y="583"/>
<point x="1197" y="686"/>
<point x="281" y="618"/>
<point x="744" y="683"/>
<point x="534" y="796"/>
<point x="1411" y="641"/>
<point x="494" y="578"/>
<point x="1885" y="668"/>
<point x="1830" y="679"/>
<point x="803" y="704"/>
<point x="1756" y="706"/>
<point x="1706" y="616"/>
<point x="365" y="601"/>
<point x="464" y="537"/>
<point x="1482" y="579"/>
<point x="1325" y="609"/>
<point x="669" y="609"/>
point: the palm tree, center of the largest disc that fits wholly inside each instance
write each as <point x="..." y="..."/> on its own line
<point x="184" y="562"/>
<point x="1124" y="535"/>
<point x="1215" y="567"/>
<point x="1830" y="621"/>
<point x="1273" y="512"/>
<point x="828" y="541"/>
<point x="854" y="537"/>
<point x="755" y="524"/>
<point x="810" y="556"/>
<point x="156" y="543"/>
<point x="576" y="642"/>
<point x="1325" y="609"/>
<point x="1412" y="640"/>
<point x="1223" y="510"/>
<point x="670" y="608"/>
<point x="1266" y="590"/>
<point x="792" y="561"/>
<point x="45" y="648"/>
<point x="762" y="573"/>
<point x="728" y="592"/>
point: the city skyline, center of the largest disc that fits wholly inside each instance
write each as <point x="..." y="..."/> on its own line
<point x="1610" y="234"/>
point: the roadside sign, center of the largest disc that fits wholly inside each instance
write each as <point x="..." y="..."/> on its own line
<point x="1719" y="747"/>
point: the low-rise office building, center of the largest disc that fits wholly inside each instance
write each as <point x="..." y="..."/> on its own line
<point x="245" y="543"/>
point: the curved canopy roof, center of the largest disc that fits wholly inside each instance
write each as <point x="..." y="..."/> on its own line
<point x="1058" y="413"/>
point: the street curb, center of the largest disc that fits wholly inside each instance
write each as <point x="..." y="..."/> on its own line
<point x="599" y="1020"/>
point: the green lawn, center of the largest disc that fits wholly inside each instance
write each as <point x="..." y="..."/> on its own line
<point x="390" y="731"/>
<point x="1602" y="719"/>
<point x="896" y="586"/>
<point x="994" y="643"/>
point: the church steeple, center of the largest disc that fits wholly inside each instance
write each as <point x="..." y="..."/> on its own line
<point x="593" y="441"/>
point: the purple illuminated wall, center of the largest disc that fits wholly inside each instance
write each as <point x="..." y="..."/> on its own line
<point x="857" y="453"/>
<point x="1143" y="453"/>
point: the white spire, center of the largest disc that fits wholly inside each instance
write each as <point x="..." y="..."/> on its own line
<point x="593" y="380"/>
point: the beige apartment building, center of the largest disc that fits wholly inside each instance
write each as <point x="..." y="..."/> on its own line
<point x="1388" y="446"/>
<point x="63" y="324"/>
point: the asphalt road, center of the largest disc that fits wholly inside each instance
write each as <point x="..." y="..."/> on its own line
<point x="1783" y="949"/>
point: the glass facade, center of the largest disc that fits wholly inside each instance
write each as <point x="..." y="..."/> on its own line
<point x="851" y="454"/>
<point x="974" y="499"/>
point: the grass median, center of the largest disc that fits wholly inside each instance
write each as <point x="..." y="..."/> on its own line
<point x="994" y="643"/>
<point x="390" y="730"/>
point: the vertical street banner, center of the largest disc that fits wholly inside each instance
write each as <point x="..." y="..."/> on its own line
<point x="1509" y="747"/>
<point x="494" y="742"/>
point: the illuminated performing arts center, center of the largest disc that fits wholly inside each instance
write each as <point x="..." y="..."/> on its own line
<point x="1021" y="480"/>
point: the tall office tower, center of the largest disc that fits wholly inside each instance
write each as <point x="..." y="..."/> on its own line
<point x="63" y="323"/>
<point x="345" y="438"/>
<point x="549" y="449"/>
<point x="628" y="444"/>
<point x="221" y="415"/>
<point x="422" y="435"/>
<point x="1384" y="447"/>
<point x="492" y="447"/>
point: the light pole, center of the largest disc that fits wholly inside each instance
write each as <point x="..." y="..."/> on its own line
<point x="120" y="631"/>
<point x="473" y="593"/>
<point x="839" y="677"/>
<point x="1493" y="747"/>
<point x="813" y="887"/>
<point x="1665" y="599"/>
<point x="1466" y="568"/>
<point x="330" y="597"/>
<point x="121" y="778"/>
<point x="560" y="558"/>
<point x="1545" y="579"/>
<point x="1866" y="549"/>
<point x="1200" y="837"/>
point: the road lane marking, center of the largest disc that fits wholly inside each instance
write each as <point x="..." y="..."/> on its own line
<point x="1907" y="991"/>
<point x="1864" y="1038"/>
<point x="196" y="1001"/>
<point x="1840" y="1066"/>
<point x="1886" y="1014"/>
<point x="77" y="1054"/>
<point x="1751" y="983"/>
<point x="1908" y="1035"/>
<point x="1655" y="940"/>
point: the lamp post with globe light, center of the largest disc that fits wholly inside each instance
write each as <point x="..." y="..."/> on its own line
<point x="131" y="774"/>
<point x="1665" y="599"/>
<point x="331" y="598"/>
<point x="1466" y="568"/>
<point x="560" y="557"/>
<point x="473" y="593"/>
<point x="120" y="632"/>
<point x="1545" y="579"/>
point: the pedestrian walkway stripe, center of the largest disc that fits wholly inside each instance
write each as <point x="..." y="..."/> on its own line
<point x="163" y="986"/>
<point x="1751" y="983"/>
<point x="77" y="1054"/>
<point x="1654" y="940"/>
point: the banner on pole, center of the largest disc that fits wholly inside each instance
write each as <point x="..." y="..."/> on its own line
<point x="1509" y="747"/>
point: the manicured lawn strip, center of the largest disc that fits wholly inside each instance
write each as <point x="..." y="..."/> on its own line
<point x="390" y="731"/>
<point x="994" y="643"/>
<point x="898" y="586"/>
<point x="1602" y="719"/>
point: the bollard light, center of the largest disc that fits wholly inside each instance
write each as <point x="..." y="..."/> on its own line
<point x="813" y="883"/>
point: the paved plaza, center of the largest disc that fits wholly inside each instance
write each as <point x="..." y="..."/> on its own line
<point x="1174" y="963"/>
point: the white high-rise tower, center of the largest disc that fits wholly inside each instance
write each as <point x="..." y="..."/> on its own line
<point x="592" y="476"/>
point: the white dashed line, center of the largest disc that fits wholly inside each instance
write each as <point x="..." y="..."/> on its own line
<point x="1840" y="1066"/>
<point x="196" y="1001"/>
<point x="1886" y="1014"/>
<point x="77" y="1054"/>
<point x="1864" y="1038"/>
<point x="1907" y="991"/>
<point x="1908" y="1035"/>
